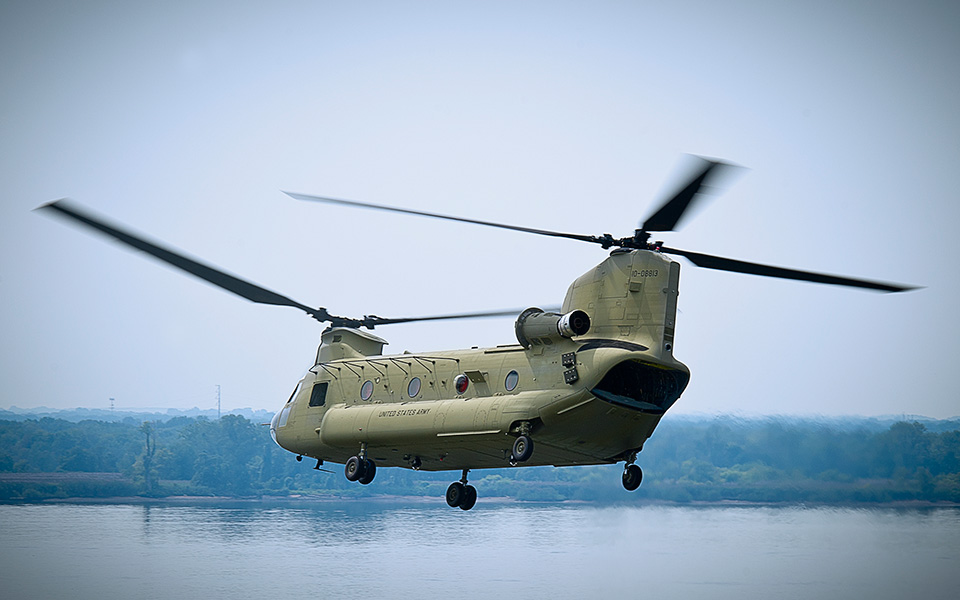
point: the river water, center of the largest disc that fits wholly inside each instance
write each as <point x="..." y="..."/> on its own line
<point x="376" y="549"/>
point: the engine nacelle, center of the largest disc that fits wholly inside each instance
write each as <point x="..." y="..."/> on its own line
<point x="535" y="327"/>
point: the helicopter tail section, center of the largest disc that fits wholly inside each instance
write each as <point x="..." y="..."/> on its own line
<point x="631" y="297"/>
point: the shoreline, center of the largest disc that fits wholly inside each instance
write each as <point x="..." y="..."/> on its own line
<point x="309" y="499"/>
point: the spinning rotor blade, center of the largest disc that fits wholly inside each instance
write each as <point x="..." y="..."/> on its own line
<point x="233" y="284"/>
<point x="371" y="320"/>
<point x="709" y="261"/>
<point x="670" y="213"/>
<point x="572" y="236"/>
<point x="665" y="218"/>
<point x="209" y="274"/>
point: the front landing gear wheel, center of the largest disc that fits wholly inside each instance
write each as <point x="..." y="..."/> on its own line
<point x="353" y="469"/>
<point x="369" y="472"/>
<point x="632" y="476"/>
<point x="522" y="449"/>
<point x="469" y="497"/>
<point x="457" y="493"/>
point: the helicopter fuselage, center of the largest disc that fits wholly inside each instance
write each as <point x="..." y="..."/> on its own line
<point x="585" y="399"/>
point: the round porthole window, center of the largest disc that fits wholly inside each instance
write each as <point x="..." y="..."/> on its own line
<point x="461" y="383"/>
<point x="413" y="388"/>
<point x="366" y="390"/>
<point x="513" y="378"/>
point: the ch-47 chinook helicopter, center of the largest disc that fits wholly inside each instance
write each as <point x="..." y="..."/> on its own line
<point x="583" y="386"/>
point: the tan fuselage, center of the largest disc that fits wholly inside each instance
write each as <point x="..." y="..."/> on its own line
<point x="587" y="399"/>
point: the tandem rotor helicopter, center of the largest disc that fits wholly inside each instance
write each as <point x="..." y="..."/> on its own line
<point x="583" y="386"/>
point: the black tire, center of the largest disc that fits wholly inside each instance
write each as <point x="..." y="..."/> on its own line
<point x="469" y="497"/>
<point x="632" y="477"/>
<point x="369" y="472"/>
<point x="353" y="469"/>
<point x="522" y="449"/>
<point x="456" y="493"/>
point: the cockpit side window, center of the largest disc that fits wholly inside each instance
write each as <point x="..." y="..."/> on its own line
<point x="319" y="394"/>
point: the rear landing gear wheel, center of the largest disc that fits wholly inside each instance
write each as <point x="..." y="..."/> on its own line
<point x="456" y="494"/>
<point x="469" y="497"/>
<point x="369" y="471"/>
<point x="632" y="476"/>
<point x="461" y="494"/>
<point x="353" y="469"/>
<point x="522" y="449"/>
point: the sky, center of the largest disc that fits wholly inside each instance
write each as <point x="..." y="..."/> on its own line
<point x="185" y="120"/>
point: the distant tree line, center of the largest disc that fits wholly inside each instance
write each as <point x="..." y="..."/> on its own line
<point x="760" y="460"/>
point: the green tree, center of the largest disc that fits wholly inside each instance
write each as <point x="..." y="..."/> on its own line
<point x="144" y="468"/>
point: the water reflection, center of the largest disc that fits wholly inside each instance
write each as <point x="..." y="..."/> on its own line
<point x="424" y="549"/>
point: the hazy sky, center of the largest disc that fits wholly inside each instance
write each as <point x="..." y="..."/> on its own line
<point x="185" y="120"/>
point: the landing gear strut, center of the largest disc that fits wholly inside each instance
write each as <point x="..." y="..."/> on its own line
<point x="360" y="468"/>
<point x="460" y="494"/>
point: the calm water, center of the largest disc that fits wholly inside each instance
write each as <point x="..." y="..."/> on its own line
<point x="376" y="550"/>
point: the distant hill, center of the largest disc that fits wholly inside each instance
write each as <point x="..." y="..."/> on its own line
<point x="75" y="415"/>
<point x="844" y="423"/>
<point x="48" y="455"/>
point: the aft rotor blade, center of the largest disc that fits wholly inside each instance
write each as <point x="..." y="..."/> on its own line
<point x="233" y="284"/>
<point x="572" y="236"/>
<point x="709" y="261"/>
<point x="670" y="213"/>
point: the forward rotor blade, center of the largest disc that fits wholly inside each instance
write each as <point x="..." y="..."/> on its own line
<point x="233" y="284"/>
<point x="670" y="213"/>
<point x="375" y="320"/>
<point x="708" y="261"/>
<point x="572" y="236"/>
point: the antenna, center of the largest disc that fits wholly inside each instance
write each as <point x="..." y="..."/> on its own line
<point x="111" y="404"/>
<point x="218" y="401"/>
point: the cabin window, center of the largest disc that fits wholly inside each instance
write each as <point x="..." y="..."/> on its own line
<point x="413" y="388"/>
<point x="319" y="394"/>
<point x="513" y="378"/>
<point x="366" y="390"/>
